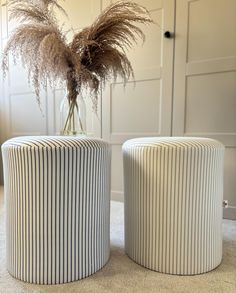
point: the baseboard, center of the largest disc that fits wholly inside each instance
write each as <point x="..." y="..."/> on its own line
<point x="229" y="213"/>
<point x="1" y="190"/>
<point x="1" y="170"/>
<point x="117" y="196"/>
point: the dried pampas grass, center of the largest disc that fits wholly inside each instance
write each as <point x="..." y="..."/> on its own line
<point x="96" y="53"/>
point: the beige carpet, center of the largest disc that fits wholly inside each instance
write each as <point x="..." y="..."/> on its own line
<point x="123" y="275"/>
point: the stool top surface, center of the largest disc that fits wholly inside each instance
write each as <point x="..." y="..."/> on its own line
<point x="55" y="142"/>
<point x="172" y="142"/>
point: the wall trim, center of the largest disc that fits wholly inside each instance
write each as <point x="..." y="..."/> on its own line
<point x="229" y="213"/>
<point x="117" y="196"/>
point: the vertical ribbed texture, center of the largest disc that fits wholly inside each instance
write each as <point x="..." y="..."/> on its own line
<point x="58" y="207"/>
<point x="173" y="203"/>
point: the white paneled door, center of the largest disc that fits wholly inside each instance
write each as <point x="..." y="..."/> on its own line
<point x="143" y="108"/>
<point x="205" y="78"/>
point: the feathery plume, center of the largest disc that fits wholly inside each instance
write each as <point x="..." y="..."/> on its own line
<point x="96" y="53"/>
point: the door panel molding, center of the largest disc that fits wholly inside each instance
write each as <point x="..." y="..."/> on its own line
<point x="212" y="114"/>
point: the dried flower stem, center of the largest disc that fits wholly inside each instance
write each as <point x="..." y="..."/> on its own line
<point x="73" y="106"/>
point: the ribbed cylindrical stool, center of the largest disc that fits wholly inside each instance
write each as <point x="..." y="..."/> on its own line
<point x="57" y="193"/>
<point x="173" y="203"/>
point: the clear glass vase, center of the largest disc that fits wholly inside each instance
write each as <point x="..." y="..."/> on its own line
<point x="73" y="116"/>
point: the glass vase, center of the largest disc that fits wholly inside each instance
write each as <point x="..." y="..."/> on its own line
<point x="73" y="116"/>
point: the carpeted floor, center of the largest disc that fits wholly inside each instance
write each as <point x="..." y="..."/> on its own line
<point x="123" y="275"/>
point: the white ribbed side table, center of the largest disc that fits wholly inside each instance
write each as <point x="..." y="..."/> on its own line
<point x="173" y="203"/>
<point x="57" y="192"/>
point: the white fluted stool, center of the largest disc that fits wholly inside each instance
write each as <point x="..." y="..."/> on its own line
<point x="173" y="203"/>
<point x="57" y="193"/>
